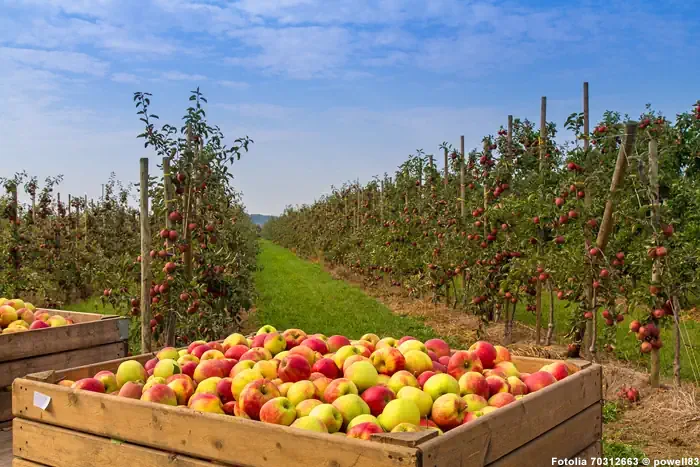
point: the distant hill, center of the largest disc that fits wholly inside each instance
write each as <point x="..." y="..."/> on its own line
<point x="260" y="219"/>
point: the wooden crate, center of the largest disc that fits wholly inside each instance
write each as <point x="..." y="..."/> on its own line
<point x="81" y="429"/>
<point x="93" y="338"/>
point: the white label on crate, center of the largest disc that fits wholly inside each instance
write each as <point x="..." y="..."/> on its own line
<point x="41" y="400"/>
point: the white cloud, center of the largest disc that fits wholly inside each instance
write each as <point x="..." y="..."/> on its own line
<point x="178" y="76"/>
<point x="233" y="84"/>
<point x="125" y="78"/>
<point x="302" y="52"/>
<point x="260" y="110"/>
<point x="73" y="62"/>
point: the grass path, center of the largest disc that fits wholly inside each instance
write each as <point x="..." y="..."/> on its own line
<point x="293" y="293"/>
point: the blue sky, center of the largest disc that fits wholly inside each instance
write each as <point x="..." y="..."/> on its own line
<point x="329" y="90"/>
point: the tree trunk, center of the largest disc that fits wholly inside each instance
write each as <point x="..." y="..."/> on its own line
<point x="655" y="370"/>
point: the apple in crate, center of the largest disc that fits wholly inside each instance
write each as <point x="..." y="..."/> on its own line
<point x="363" y="374"/>
<point x="399" y="411"/>
<point x="364" y="431"/>
<point x="131" y="390"/>
<point x="109" y="380"/>
<point x="278" y="411"/>
<point x="475" y="402"/>
<point x="254" y="396"/>
<point x="417" y="362"/>
<point x="388" y="360"/>
<point x="539" y="380"/>
<point x="329" y="415"/>
<point x="293" y="337"/>
<point x="462" y="362"/>
<point x="182" y="386"/>
<point x="337" y="388"/>
<point x="131" y="370"/>
<point x="304" y="408"/>
<point x="473" y="383"/>
<point x="486" y="353"/>
<point x="168" y="352"/>
<point x="501" y="399"/>
<point x="160" y="394"/>
<point x="326" y="366"/>
<point x="438" y="346"/>
<point x="363" y="419"/>
<point x="236" y="351"/>
<point x="242" y="379"/>
<point x="294" y="368"/>
<point x="350" y="406"/>
<point x="300" y="391"/>
<point x="205" y="402"/>
<point x="421" y="398"/>
<point x="377" y="397"/>
<point x="400" y="379"/>
<point x="441" y="384"/>
<point x="89" y="384"/>
<point x="310" y="423"/>
<point x="558" y="369"/>
<point x="335" y="343"/>
<point x="448" y="411"/>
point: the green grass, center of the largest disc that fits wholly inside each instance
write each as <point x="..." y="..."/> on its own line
<point x="626" y="345"/>
<point x="91" y="305"/>
<point x="611" y="412"/>
<point x="622" y="450"/>
<point x="293" y="293"/>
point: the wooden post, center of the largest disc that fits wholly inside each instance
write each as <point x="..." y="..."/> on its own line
<point x="509" y="136"/>
<point x="58" y="223"/>
<point x="381" y="201"/>
<point x="447" y="167"/>
<point x="606" y="224"/>
<point x="86" y="219"/>
<point x="677" y="344"/>
<point x="171" y="317"/>
<point x="462" y="190"/>
<point x="588" y="235"/>
<point x="538" y="287"/>
<point x="15" y="237"/>
<point x="145" y="261"/>
<point x="550" y="326"/>
<point x="655" y="370"/>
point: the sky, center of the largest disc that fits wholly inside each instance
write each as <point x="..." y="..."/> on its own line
<point x="329" y="90"/>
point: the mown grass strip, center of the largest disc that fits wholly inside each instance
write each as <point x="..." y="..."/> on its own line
<point x="293" y="293"/>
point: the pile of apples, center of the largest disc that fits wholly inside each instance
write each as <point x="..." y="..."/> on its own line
<point x="17" y="315"/>
<point x="330" y="384"/>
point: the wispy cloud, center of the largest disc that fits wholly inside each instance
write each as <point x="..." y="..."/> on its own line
<point x="73" y="62"/>
<point x="124" y="78"/>
<point x="179" y="76"/>
<point x="233" y="84"/>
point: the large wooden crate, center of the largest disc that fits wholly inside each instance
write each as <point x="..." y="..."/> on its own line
<point x="81" y="429"/>
<point x="93" y="338"/>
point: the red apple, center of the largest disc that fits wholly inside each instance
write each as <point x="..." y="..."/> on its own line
<point x="294" y="368"/>
<point x="377" y="397"/>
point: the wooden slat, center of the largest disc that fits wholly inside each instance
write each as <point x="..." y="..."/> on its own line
<point x="203" y="435"/>
<point x="592" y="451"/>
<point x="17" y="462"/>
<point x="562" y="442"/>
<point x="491" y="437"/>
<point x="5" y="406"/>
<point x="68" y="359"/>
<point x="53" y="340"/>
<point x="58" y="447"/>
<point x="79" y="317"/>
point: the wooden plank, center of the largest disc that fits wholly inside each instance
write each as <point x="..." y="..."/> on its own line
<point x="5" y="447"/>
<point x="204" y="435"/>
<point x="491" y="437"/>
<point x="17" y="462"/>
<point x="53" y="340"/>
<point x="5" y="405"/>
<point x="68" y="359"/>
<point x="58" y="447"/>
<point x="562" y="442"/>
<point x="595" y="450"/>
<point x="79" y="317"/>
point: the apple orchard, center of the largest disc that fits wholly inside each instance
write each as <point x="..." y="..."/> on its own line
<point x="607" y="226"/>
